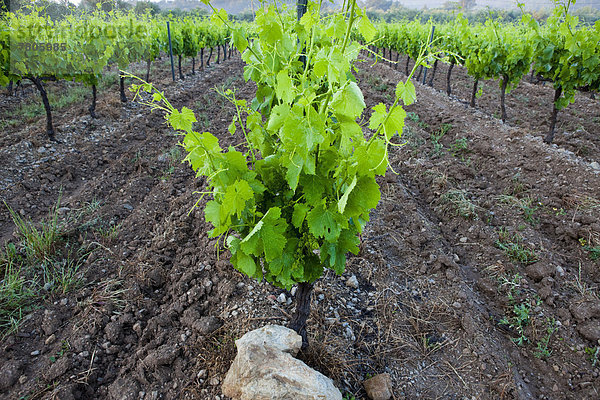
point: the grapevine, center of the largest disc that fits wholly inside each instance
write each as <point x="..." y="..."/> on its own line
<point x="293" y="202"/>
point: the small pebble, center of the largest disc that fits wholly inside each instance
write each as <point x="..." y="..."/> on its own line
<point x="51" y="339"/>
<point x="352" y="282"/>
<point x="281" y="298"/>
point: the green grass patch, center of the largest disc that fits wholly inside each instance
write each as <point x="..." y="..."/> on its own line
<point x="59" y="98"/>
<point x="45" y="260"/>
<point x="512" y="245"/>
<point x="457" y="202"/>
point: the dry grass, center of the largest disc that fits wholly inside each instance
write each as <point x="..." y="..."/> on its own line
<point x="457" y="203"/>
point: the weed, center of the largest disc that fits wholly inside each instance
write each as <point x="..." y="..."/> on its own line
<point x="479" y="93"/>
<point x="109" y="233"/>
<point x="348" y="396"/>
<point x="203" y="122"/>
<point x="15" y="296"/>
<point x="436" y="137"/>
<point x="460" y="148"/>
<point x="439" y="179"/>
<point x="513" y="284"/>
<point x="39" y="243"/>
<point x="529" y="208"/>
<point x="108" y="80"/>
<point x="458" y="201"/>
<point x="43" y="261"/>
<point x="62" y="275"/>
<point x="542" y="350"/>
<point x="412" y="137"/>
<point x="594" y="252"/>
<point x="137" y="157"/>
<point x="64" y="348"/>
<point x="527" y="205"/>
<point x="432" y="343"/>
<point x="8" y="123"/>
<point x="593" y="354"/>
<point x="173" y="157"/>
<point x="517" y="185"/>
<point x="413" y="116"/>
<point x="582" y="287"/>
<point x="518" y="320"/>
<point x="108" y="292"/>
<point x="383" y="87"/>
<point x="512" y="246"/>
<point x="58" y="98"/>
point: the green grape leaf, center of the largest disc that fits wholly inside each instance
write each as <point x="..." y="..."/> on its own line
<point x="279" y="115"/>
<point x="406" y="92"/>
<point x="334" y="254"/>
<point x="378" y="116"/>
<point x="363" y="198"/>
<point x="183" y="120"/>
<point x="344" y="199"/>
<point x="198" y="147"/>
<point x="245" y="264"/>
<point x="232" y="128"/>
<point x="267" y="236"/>
<point x="235" y="198"/>
<point x="366" y="28"/>
<point x="299" y="214"/>
<point x="239" y="40"/>
<point x="395" y="122"/>
<point x="284" y="87"/>
<point x="323" y="222"/>
<point x="349" y="101"/>
<point x="272" y="234"/>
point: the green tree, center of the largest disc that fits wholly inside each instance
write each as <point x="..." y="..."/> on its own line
<point x="143" y="7"/>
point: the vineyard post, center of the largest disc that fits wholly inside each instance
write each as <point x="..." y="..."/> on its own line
<point x="428" y="45"/>
<point x="301" y="10"/>
<point x="171" y="51"/>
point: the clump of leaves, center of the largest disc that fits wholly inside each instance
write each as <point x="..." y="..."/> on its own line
<point x="294" y="199"/>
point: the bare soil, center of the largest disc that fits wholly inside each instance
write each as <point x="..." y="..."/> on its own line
<point x="159" y="306"/>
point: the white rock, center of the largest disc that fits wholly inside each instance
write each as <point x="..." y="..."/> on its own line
<point x="595" y="165"/>
<point x="265" y="368"/>
<point x="352" y="282"/>
<point x="281" y="298"/>
<point x="379" y="387"/>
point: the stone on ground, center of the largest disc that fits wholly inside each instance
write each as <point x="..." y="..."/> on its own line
<point x="265" y="368"/>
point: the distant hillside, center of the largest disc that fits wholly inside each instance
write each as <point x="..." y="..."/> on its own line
<point x="498" y="4"/>
<point x="231" y="6"/>
<point x="238" y="6"/>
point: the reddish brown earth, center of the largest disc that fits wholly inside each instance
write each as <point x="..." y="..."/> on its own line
<point x="158" y="308"/>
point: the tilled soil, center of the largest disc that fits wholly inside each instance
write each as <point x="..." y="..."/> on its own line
<point x="159" y="306"/>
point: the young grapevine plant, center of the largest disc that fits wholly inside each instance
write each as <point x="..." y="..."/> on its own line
<point x="294" y="199"/>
